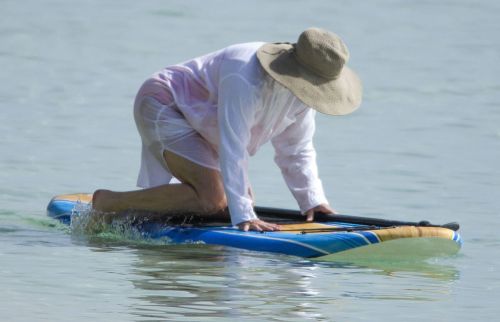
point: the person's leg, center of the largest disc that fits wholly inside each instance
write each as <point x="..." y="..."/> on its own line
<point x="200" y="192"/>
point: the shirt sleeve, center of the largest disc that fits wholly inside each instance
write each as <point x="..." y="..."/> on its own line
<point x="296" y="157"/>
<point x="236" y="113"/>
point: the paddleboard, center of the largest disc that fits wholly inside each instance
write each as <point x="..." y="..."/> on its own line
<point x="331" y="236"/>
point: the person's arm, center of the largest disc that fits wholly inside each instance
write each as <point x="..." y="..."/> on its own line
<point x="296" y="157"/>
<point x="235" y="117"/>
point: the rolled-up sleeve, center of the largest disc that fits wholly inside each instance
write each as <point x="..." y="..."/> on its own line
<point x="236" y="114"/>
<point x="296" y="157"/>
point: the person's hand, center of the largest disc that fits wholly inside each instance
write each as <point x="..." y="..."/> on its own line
<point x="258" y="225"/>
<point x="323" y="208"/>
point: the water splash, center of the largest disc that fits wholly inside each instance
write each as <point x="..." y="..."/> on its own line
<point x="90" y="223"/>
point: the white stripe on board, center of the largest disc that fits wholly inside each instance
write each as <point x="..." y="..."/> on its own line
<point x="368" y="242"/>
<point x="374" y="234"/>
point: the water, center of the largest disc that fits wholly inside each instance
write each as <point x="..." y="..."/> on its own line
<point x="424" y="145"/>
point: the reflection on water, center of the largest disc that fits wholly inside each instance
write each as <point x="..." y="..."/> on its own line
<point x="435" y="268"/>
<point x="175" y="282"/>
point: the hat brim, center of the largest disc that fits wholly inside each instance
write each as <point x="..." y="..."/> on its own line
<point x="338" y="96"/>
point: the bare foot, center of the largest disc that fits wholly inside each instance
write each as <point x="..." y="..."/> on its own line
<point x="101" y="200"/>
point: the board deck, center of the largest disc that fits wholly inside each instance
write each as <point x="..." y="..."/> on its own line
<point x="305" y="239"/>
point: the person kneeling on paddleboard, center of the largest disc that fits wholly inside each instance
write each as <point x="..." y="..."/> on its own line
<point x="200" y="121"/>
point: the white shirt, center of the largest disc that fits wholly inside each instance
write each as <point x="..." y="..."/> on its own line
<point x="228" y="98"/>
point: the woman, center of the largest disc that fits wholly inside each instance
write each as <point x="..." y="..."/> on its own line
<point x="201" y="120"/>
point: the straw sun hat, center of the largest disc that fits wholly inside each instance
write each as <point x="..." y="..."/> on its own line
<point x="314" y="70"/>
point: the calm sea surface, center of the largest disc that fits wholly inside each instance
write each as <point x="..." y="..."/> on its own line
<point x="424" y="145"/>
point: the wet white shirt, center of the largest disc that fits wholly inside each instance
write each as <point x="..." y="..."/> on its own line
<point x="230" y="101"/>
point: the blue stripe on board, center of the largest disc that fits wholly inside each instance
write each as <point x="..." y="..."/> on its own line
<point x="235" y="238"/>
<point x="61" y="210"/>
<point x="371" y="236"/>
<point x="457" y="238"/>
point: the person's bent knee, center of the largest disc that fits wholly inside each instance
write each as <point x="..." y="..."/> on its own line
<point x="213" y="203"/>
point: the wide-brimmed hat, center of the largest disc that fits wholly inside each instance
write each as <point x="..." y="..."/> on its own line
<point x="314" y="70"/>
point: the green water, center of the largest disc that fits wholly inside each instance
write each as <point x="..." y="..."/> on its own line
<point x="424" y="145"/>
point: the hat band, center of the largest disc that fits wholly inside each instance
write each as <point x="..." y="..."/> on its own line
<point x="321" y="72"/>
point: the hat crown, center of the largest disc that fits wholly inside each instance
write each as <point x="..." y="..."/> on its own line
<point x="321" y="52"/>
